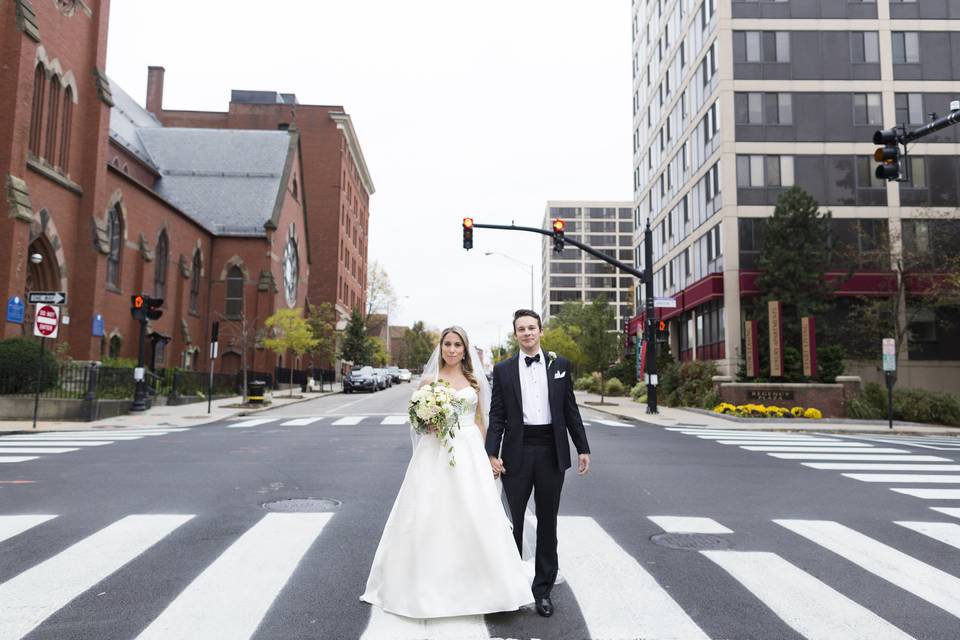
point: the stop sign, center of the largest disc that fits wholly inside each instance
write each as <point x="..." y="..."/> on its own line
<point x="46" y="321"/>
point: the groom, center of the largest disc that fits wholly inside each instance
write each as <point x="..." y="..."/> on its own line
<point x="531" y="411"/>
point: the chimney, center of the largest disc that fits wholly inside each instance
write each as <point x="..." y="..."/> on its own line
<point x="155" y="90"/>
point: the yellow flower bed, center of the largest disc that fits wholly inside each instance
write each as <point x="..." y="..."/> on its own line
<point x="761" y="411"/>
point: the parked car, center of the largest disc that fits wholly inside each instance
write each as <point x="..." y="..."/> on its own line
<point x="405" y="375"/>
<point x="361" y="379"/>
<point x="394" y="373"/>
<point x="383" y="380"/>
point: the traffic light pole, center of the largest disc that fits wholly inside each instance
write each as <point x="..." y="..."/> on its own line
<point x="140" y="394"/>
<point x="649" y="329"/>
<point x="936" y="125"/>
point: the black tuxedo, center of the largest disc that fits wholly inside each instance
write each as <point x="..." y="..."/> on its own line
<point x="537" y="468"/>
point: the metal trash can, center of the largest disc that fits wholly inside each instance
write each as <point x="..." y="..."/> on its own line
<point x="255" y="391"/>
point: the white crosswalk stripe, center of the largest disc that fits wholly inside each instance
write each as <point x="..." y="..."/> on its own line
<point x="15" y="525"/>
<point x="866" y="456"/>
<point x="929" y="494"/>
<point x="950" y="511"/>
<point x="815" y="449"/>
<point x="880" y="466"/>
<point x="301" y="422"/>
<point x="28" y="599"/>
<point x="387" y="626"/>
<point x="250" y="423"/>
<point x="905" y="477"/>
<point x="797" y="443"/>
<point x="395" y="420"/>
<point x="945" y="532"/>
<point x="37" y="449"/>
<point x="614" y="423"/>
<point x="687" y="524"/>
<point x="348" y="421"/>
<point x="57" y="443"/>
<point x="12" y="459"/>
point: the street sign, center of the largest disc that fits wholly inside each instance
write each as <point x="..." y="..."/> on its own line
<point x="665" y="303"/>
<point x="46" y="321"/>
<point x="889" y="355"/>
<point x="49" y="297"/>
<point x="15" y="309"/>
<point x="97" y="329"/>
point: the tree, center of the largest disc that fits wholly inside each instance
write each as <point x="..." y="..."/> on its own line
<point x="355" y="348"/>
<point x="380" y="293"/>
<point x="417" y="346"/>
<point x="241" y="334"/>
<point x="563" y="340"/>
<point x="599" y="344"/>
<point x="291" y="332"/>
<point x="322" y="320"/>
<point x="380" y="356"/>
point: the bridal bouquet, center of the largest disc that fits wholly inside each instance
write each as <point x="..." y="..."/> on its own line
<point x="435" y="409"/>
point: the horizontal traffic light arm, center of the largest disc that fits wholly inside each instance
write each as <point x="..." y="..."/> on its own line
<point x="549" y="232"/>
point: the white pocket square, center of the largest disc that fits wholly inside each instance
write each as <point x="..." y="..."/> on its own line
<point x="559" y="374"/>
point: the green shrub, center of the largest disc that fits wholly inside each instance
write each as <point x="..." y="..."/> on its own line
<point x="830" y="363"/>
<point x="625" y="371"/>
<point x="20" y="364"/>
<point x="912" y="405"/>
<point x="613" y="387"/>
<point x="594" y="385"/>
<point x="119" y="363"/>
<point x="582" y="383"/>
<point x="638" y="390"/>
<point x="694" y="385"/>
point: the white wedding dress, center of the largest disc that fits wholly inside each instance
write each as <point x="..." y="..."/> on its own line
<point x="447" y="548"/>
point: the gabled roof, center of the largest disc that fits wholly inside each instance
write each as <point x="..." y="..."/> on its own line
<point x="127" y="118"/>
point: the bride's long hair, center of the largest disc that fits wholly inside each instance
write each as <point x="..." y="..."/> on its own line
<point x="466" y="363"/>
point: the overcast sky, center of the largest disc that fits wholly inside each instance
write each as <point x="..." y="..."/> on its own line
<point x="484" y="109"/>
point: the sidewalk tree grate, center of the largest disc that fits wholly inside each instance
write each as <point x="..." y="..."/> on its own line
<point x="302" y="505"/>
<point x="690" y="541"/>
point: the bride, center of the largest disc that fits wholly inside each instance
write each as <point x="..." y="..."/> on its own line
<point x="447" y="548"/>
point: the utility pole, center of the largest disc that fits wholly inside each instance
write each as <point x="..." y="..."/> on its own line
<point x="650" y="325"/>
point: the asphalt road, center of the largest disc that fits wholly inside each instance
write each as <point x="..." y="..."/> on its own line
<point x="165" y="535"/>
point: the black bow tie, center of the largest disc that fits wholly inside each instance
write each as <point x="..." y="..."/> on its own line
<point x="531" y="359"/>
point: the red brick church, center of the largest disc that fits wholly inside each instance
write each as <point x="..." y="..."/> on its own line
<point x="223" y="215"/>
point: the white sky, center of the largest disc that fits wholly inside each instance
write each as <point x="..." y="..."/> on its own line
<point x="484" y="109"/>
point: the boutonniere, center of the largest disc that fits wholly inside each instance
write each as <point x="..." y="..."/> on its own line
<point x="551" y="358"/>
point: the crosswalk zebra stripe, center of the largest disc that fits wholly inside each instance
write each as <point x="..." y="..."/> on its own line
<point x="219" y="603"/>
<point x="250" y="423"/>
<point x="924" y="581"/>
<point x="301" y="422"/>
<point x="58" y="443"/>
<point x="869" y="457"/>
<point x="950" y="511"/>
<point x="72" y="437"/>
<point x="613" y="423"/>
<point x="37" y="449"/>
<point x="929" y="494"/>
<point x="28" y="599"/>
<point x="15" y="525"/>
<point x="387" y="626"/>
<point x="853" y="466"/>
<point x="348" y="421"/>
<point x="682" y="524"/>
<point x="636" y="607"/>
<point x="395" y="420"/>
<point x="812" y="608"/>
<point x="829" y="443"/>
<point x="829" y="449"/>
<point x="762" y="436"/>
<point x="11" y="459"/>
<point x="945" y="532"/>
<point x="904" y="477"/>
<point x="785" y="442"/>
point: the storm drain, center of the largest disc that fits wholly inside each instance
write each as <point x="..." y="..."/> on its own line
<point x="690" y="541"/>
<point x="302" y="505"/>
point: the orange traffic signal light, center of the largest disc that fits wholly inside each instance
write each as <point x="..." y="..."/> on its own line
<point x="468" y="233"/>
<point x="467" y="223"/>
<point x="137" y="302"/>
<point x="559" y="225"/>
<point x="558" y="240"/>
<point x="662" y="326"/>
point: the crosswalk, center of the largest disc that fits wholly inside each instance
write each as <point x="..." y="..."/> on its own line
<point x="23" y="447"/>
<point x="617" y="593"/>
<point x="862" y="461"/>
<point x="365" y="420"/>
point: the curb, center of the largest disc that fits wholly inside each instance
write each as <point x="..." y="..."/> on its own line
<point x="251" y="412"/>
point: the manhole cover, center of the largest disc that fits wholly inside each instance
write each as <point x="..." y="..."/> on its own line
<point x="690" y="541"/>
<point x="302" y="505"/>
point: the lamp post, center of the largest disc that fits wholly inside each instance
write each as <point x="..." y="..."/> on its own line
<point x="527" y="265"/>
<point x="36" y="259"/>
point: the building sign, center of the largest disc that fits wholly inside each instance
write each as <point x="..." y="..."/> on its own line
<point x="766" y="395"/>
<point x="775" y="316"/>
<point x="889" y="354"/>
<point x="15" y="310"/>
<point x="97" y="329"/>
<point x="808" y="338"/>
<point x="753" y="353"/>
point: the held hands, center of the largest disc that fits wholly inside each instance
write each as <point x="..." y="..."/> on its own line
<point x="584" y="464"/>
<point x="497" y="465"/>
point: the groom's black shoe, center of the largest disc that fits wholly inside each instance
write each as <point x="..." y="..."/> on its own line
<point x="544" y="607"/>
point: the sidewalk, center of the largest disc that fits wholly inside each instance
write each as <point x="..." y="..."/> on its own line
<point x="184" y="415"/>
<point x="625" y="407"/>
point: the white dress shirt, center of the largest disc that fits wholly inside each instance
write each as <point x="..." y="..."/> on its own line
<point x="533" y="390"/>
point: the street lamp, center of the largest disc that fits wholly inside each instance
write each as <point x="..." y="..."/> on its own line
<point x="36" y="258"/>
<point x="528" y="266"/>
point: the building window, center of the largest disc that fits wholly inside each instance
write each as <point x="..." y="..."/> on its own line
<point x="115" y="234"/>
<point x="36" y="114"/>
<point x="866" y="174"/>
<point x="906" y="47"/>
<point x="864" y="46"/>
<point x="65" y="129"/>
<point x="195" y="281"/>
<point x="160" y="267"/>
<point x="762" y="46"/>
<point x="866" y="108"/>
<point x="116" y="346"/>
<point x="234" y="292"/>
<point x="909" y="107"/>
<point x="764" y="108"/>
<point x="53" y="109"/>
<point x="764" y="171"/>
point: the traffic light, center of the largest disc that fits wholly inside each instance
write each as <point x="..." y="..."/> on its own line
<point x="889" y="155"/>
<point x="663" y="330"/>
<point x="558" y="226"/>
<point x="468" y="233"/>
<point x="138" y="307"/>
<point x="153" y="308"/>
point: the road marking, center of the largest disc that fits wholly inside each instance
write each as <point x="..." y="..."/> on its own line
<point x="344" y="406"/>
<point x="112" y="438"/>
<point x="11" y="459"/>
<point x="15" y="525"/>
<point x="904" y="477"/>
<point x="822" y="443"/>
<point x="824" y="449"/>
<point x="929" y="494"/>
<point x="950" y="511"/>
<point x="613" y="423"/>
<point x="810" y="607"/>
<point x="250" y="423"/>
<point x="763" y="436"/>
<point x="395" y="420"/>
<point x="31" y="597"/>
<point x="37" y="449"/>
<point x="56" y="443"/>
<point x="301" y="422"/>
<point x="681" y="524"/>
<point x="945" y="532"/>
<point x="924" y="581"/>
<point x="853" y="466"/>
<point x="387" y="626"/>
<point x="851" y="456"/>
<point x="220" y="602"/>
<point x="348" y="421"/>
<point x="617" y="597"/>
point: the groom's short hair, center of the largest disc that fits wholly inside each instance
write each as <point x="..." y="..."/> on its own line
<point x="521" y="313"/>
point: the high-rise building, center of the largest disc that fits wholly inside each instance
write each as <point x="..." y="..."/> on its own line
<point x="737" y="100"/>
<point x="576" y="276"/>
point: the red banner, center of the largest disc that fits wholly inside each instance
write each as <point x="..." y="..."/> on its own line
<point x="775" y="316"/>
<point x="753" y="352"/>
<point x="808" y="333"/>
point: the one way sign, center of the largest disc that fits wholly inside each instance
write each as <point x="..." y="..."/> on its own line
<point x="47" y="297"/>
